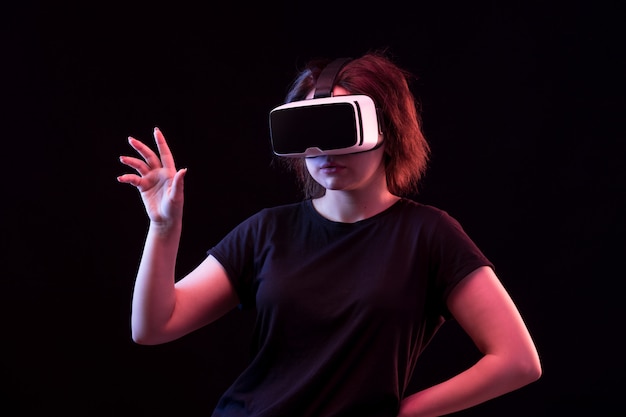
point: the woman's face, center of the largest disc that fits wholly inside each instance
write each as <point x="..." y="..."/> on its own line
<point x="347" y="172"/>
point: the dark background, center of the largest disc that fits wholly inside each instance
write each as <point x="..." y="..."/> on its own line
<point x="523" y="105"/>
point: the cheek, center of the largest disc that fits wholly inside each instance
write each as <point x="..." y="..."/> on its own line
<point x="310" y="167"/>
<point x="367" y="161"/>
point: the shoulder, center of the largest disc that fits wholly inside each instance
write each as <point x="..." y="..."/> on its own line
<point x="409" y="205"/>
<point x="280" y="214"/>
<point x="423" y="213"/>
<point x="432" y="222"/>
<point x="262" y="226"/>
<point x="281" y="211"/>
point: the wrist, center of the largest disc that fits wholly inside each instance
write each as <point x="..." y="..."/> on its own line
<point x="165" y="229"/>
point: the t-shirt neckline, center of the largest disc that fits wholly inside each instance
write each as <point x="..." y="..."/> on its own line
<point x="321" y="219"/>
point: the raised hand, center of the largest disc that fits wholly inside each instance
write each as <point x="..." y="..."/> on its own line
<point x="158" y="181"/>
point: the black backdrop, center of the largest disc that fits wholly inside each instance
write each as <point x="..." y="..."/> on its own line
<point x="522" y="104"/>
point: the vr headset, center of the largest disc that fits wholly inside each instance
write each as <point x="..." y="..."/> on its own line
<point x="325" y="125"/>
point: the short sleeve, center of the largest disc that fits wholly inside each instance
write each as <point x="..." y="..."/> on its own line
<point x="455" y="255"/>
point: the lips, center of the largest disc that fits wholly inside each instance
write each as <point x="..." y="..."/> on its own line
<point x="331" y="168"/>
<point x="330" y="165"/>
<point x="326" y="164"/>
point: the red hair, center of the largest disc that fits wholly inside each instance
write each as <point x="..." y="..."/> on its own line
<point x="406" y="150"/>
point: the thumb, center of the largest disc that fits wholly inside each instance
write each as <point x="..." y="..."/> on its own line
<point x="178" y="184"/>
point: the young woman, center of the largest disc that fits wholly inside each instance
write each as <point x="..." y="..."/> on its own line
<point x="349" y="285"/>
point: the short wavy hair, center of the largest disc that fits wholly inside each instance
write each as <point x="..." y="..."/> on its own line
<point x="376" y="75"/>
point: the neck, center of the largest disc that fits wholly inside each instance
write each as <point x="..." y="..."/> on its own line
<point x="353" y="206"/>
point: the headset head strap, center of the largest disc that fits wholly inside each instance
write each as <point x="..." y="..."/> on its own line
<point x="326" y="80"/>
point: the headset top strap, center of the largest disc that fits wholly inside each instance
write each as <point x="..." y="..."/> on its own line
<point x="326" y="80"/>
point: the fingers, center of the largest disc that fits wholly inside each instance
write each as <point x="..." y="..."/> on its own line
<point x="140" y="166"/>
<point x="167" y="158"/>
<point x="129" y="179"/>
<point x="151" y="158"/>
<point x="137" y="164"/>
<point x="151" y="161"/>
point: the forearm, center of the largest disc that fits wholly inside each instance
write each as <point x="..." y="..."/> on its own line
<point x="490" y="377"/>
<point x="154" y="294"/>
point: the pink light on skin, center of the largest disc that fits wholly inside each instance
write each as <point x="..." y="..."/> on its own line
<point x="331" y="167"/>
<point x="356" y="171"/>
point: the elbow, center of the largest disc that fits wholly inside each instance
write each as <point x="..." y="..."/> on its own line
<point x="138" y="333"/>
<point x="143" y="334"/>
<point x="141" y="337"/>
<point x="528" y="369"/>
<point x="146" y="338"/>
<point x="531" y="373"/>
<point x="535" y="371"/>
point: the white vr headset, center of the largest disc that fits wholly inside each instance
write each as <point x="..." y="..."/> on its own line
<point x="325" y="125"/>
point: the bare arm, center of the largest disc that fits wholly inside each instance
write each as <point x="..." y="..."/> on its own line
<point x="510" y="360"/>
<point x="163" y="310"/>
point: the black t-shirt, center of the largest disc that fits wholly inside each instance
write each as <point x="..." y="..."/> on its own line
<point x="343" y="309"/>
